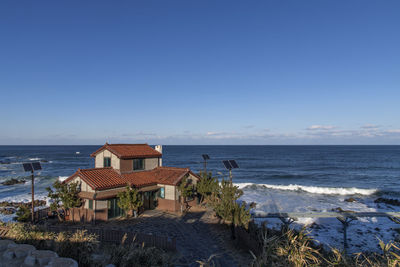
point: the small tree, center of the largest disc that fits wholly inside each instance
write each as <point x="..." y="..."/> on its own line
<point x="207" y="187"/>
<point x="23" y="214"/>
<point x="64" y="197"/>
<point x="186" y="190"/>
<point x="225" y="202"/>
<point x="129" y="200"/>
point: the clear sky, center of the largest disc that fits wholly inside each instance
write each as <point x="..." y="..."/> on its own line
<point x="200" y="72"/>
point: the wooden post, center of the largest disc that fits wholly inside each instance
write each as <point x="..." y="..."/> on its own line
<point x="33" y="196"/>
<point x="345" y="222"/>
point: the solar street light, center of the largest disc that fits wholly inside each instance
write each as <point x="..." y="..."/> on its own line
<point x="205" y="157"/>
<point x="229" y="165"/>
<point x="31" y="167"/>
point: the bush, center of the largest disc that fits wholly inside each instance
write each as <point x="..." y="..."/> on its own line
<point x="24" y="214"/>
<point x="291" y="248"/>
<point x="136" y="255"/>
<point x="226" y="206"/>
<point x="207" y="187"/>
<point x="78" y="245"/>
<point x="129" y="200"/>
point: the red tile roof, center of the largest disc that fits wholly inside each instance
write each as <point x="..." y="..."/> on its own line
<point x="107" y="178"/>
<point x="130" y="151"/>
<point x="100" y="178"/>
<point x="160" y="175"/>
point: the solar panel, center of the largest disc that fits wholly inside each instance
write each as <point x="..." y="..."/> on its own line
<point x="27" y="167"/>
<point x="205" y="156"/>
<point x="234" y="164"/>
<point x="36" y="166"/>
<point x="227" y="165"/>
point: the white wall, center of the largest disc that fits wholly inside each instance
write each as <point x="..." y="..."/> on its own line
<point x="169" y="191"/>
<point x="99" y="160"/>
<point x="84" y="186"/>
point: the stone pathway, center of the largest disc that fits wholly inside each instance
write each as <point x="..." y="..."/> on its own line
<point x="197" y="237"/>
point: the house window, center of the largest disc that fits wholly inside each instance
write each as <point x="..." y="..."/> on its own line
<point x="107" y="162"/>
<point x="161" y="193"/>
<point x="138" y="164"/>
<point x="90" y="204"/>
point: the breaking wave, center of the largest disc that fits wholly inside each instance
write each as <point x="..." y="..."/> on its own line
<point x="315" y="189"/>
<point x="62" y="178"/>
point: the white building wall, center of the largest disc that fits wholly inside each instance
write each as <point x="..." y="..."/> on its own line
<point x="169" y="191"/>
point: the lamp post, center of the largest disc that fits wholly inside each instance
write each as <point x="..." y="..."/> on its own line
<point x="34" y="166"/>
<point x="229" y="165"/>
<point x="205" y="157"/>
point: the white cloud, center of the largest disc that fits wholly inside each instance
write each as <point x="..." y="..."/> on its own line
<point x="321" y="127"/>
<point x="370" y="126"/>
<point x="395" y="131"/>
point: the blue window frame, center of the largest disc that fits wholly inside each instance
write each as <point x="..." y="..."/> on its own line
<point x="162" y="193"/>
<point x="107" y="162"/>
<point x="138" y="164"/>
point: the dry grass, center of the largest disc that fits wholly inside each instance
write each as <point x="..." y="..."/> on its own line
<point x="81" y="246"/>
<point x="297" y="249"/>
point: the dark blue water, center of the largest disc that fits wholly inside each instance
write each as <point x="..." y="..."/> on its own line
<point x="365" y="167"/>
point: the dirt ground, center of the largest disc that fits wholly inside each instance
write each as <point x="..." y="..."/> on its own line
<point x="198" y="236"/>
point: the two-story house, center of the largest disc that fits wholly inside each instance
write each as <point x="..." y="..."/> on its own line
<point x="121" y="165"/>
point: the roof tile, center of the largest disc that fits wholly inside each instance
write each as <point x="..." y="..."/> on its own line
<point x="107" y="178"/>
<point x="130" y="151"/>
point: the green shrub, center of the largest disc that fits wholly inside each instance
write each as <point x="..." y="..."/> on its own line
<point x="78" y="245"/>
<point x="207" y="186"/>
<point x="129" y="200"/>
<point x="65" y="197"/>
<point x="24" y="214"/>
<point x="136" y="255"/>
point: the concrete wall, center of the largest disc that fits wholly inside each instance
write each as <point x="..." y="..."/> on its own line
<point x="151" y="163"/>
<point x="99" y="160"/>
<point x="124" y="165"/>
<point x="84" y="186"/>
<point x="193" y="178"/>
<point x="101" y="204"/>
<point x="170" y="192"/>
<point x="168" y="205"/>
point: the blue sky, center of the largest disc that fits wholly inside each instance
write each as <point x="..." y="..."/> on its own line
<point x="200" y="72"/>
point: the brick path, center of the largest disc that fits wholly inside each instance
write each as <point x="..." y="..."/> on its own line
<point x="198" y="237"/>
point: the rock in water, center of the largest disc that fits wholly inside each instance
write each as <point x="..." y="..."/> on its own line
<point x="393" y="202"/>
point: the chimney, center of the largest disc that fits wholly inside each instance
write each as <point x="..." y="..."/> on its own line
<point x="159" y="149"/>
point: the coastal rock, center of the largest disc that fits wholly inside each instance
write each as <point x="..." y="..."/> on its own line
<point x="350" y="199"/>
<point x="19" y="251"/>
<point x="339" y="209"/>
<point x="62" y="262"/>
<point x="42" y="257"/>
<point x="5" y="244"/>
<point x="23" y="255"/>
<point x="390" y="201"/>
<point x="13" y="181"/>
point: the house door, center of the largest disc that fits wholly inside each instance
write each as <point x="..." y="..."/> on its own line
<point x="113" y="209"/>
<point x="149" y="200"/>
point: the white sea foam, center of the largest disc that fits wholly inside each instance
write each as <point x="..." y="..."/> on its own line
<point x="62" y="178"/>
<point x="315" y="189"/>
<point x="34" y="158"/>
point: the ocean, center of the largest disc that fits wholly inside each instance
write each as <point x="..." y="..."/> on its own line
<point x="277" y="178"/>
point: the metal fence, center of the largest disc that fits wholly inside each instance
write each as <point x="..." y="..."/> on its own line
<point x="119" y="236"/>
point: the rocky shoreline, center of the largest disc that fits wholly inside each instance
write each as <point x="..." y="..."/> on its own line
<point x="8" y="208"/>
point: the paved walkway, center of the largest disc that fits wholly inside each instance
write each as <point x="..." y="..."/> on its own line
<point x="197" y="237"/>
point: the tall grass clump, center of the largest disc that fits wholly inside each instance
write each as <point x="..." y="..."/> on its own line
<point x="136" y="255"/>
<point x="291" y="248"/>
<point x="78" y="245"/>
